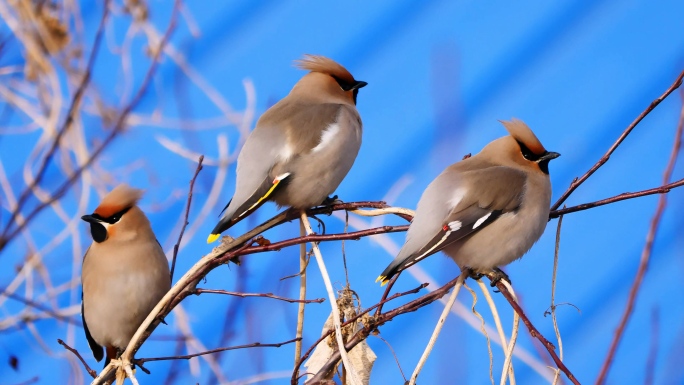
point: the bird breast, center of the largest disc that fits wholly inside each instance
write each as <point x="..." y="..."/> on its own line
<point x="121" y="284"/>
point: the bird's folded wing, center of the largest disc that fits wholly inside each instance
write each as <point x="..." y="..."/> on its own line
<point x="98" y="352"/>
<point x="489" y="193"/>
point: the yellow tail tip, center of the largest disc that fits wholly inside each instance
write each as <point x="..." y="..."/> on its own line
<point x="212" y="238"/>
<point x="382" y="279"/>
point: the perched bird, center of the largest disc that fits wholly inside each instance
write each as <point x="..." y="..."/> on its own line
<point x="125" y="273"/>
<point x="484" y="211"/>
<point x="302" y="147"/>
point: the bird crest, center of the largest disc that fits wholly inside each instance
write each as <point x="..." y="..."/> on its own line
<point x="522" y="133"/>
<point x="123" y="196"/>
<point x="317" y="63"/>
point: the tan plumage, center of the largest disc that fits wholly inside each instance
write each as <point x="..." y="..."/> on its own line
<point x="302" y="147"/>
<point x="484" y="211"/>
<point x="125" y="272"/>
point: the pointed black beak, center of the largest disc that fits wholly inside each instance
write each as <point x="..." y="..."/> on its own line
<point x="548" y="156"/>
<point x="359" y="84"/>
<point x="90" y="219"/>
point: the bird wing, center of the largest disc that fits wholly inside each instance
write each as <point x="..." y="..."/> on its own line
<point x="475" y="209"/>
<point x="98" y="352"/>
<point x="283" y="134"/>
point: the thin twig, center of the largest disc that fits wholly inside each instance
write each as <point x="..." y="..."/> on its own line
<point x="534" y="332"/>
<point x="118" y="128"/>
<point x="303" y="263"/>
<point x="578" y="181"/>
<point x="263" y="295"/>
<point x="645" y="255"/>
<point x="508" y="363"/>
<point x="38" y="306"/>
<point x="553" y="297"/>
<point x="187" y="214"/>
<point x="295" y="373"/>
<point x="497" y="322"/>
<point x="189" y="356"/>
<point x="78" y="355"/>
<point x="438" y="328"/>
<point x="378" y="321"/>
<point x="73" y="107"/>
<point x="664" y="189"/>
<point x="333" y="304"/>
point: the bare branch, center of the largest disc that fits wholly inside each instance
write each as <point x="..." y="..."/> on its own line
<point x="645" y="254"/>
<point x="534" y="332"/>
<point x="119" y="126"/>
<point x="187" y="213"/>
<point x="78" y="355"/>
<point x="189" y="356"/>
<point x="263" y="295"/>
<point x="73" y="107"/>
<point x="578" y="181"/>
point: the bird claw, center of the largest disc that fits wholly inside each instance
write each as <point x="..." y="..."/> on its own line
<point x="497" y="275"/>
<point x="328" y="204"/>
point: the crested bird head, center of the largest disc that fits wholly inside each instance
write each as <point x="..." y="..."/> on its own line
<point x="327" y="73"/>
<point x="521" y="148"/>
<point x="117" y="215"/>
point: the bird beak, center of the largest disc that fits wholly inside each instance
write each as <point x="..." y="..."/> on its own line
<point x="359" y="84"/>
<point x="548" y="156"/>
<point x="90" y="219"/>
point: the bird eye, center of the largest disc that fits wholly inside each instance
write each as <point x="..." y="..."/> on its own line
<point x="527" y="154"/>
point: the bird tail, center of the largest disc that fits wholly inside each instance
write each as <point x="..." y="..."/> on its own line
<point x="390" y="271"/>
<point x="258" y="198"/>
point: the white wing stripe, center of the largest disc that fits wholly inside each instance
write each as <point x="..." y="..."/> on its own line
<point x="481" y="220"/>
<point x="327" y="137"/>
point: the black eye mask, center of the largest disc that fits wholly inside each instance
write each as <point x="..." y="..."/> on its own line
<point x="97" y="229"/>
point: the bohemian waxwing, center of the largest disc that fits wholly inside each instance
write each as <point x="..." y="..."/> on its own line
<point x="484" y="211"/>
<point x="125" y="273"/>
<point x="302" y="147"/>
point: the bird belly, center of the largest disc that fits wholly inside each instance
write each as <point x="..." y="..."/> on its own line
<point x="118" y="298"/>
<point x="505" y="240"/>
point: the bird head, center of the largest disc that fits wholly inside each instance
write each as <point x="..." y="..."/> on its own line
<point x="328" y="74"/>
<point x="117" y="215"/>
<point x="521" y="148"/>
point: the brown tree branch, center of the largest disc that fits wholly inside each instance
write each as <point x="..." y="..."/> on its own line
<point x="199" y="291"/>
<point x="187" y="213"/>
<point x="119" y="126"/>
<point x="664" y="189"/>
<point x="374" y="324"/>
<point x="73" y="107"/>
<point x="535" y="333"/>
<point x="645" y="255"/>
<point x="78" y="355"/>
<point x="141" y="361"/>
<point x="578" y="181"/>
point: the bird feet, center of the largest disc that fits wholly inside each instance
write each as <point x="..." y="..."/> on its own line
<point x="329" y="201"/>
<point x="328" y="204"/>
<point x="495" y="275"/>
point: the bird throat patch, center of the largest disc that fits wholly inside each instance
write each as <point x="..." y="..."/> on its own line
<point x="98" y="231"/>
